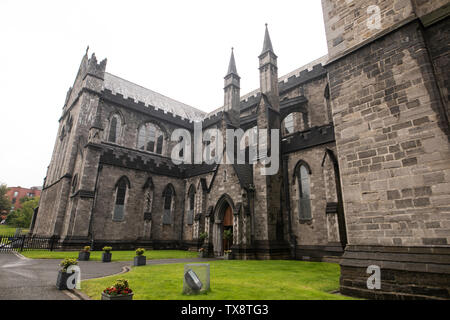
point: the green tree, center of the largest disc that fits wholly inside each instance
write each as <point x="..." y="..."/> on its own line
<point x="5" y="203"/>
<point x="21" y="218"/>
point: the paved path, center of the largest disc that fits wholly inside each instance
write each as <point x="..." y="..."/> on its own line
<point x="35" y="279"/>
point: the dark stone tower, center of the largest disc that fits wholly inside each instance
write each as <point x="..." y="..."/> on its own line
<point x="267" y="207"/>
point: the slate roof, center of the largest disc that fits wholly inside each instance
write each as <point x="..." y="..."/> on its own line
<point x="131" y="90"/>
<point x="245" y="174"/>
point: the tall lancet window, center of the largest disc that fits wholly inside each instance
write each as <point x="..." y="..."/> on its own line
<point x="303" y="173"/>
<point x="148" y="198"/>
<point x="122" y="187"/>
<point x="169" y="203"/>
<point x="191" y="206"/>
<point x="114" y="129"/>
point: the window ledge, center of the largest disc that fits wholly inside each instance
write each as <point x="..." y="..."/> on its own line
<point x="305" y="221"/>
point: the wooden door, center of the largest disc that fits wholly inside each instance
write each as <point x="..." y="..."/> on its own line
<point x="228" y="225"/>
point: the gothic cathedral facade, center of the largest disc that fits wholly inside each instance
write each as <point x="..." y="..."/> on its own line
<point x="364" y="157"/>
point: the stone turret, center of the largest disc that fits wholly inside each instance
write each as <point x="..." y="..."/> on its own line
<point x="232" y="92"/>
<point x="268" y="69"/>
<point x="268" y="242"/>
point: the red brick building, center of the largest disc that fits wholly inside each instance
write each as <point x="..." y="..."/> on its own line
<point x="16" y="193"/>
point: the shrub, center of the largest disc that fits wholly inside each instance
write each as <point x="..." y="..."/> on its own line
<point x="140" y="251"/>
<point x="107" y="249"/>
<point x="87" y="249"/>
<point x="203" y="236"/>
<point x="66" y="263"/>
<point x="228" y="234"/>
<point x="120" y="287"/>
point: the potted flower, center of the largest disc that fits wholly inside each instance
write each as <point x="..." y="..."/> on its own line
<point x="119" y="291"/>
<point x="228" y="255"/>
<point x="228" y="237"/>
<point x="201" y="253"/>
<point x="203" y="237"/>
<point x="140" y="259"/>
<point x="106" y="255"/>
<point x="84" y="254"/>
<point x="63" y="275"/>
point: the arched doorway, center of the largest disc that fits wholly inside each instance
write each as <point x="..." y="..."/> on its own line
<point x="227" y="228"/>
<point x="223" y="224"/>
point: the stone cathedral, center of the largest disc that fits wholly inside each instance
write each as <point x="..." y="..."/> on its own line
<point x="364" y="157"/>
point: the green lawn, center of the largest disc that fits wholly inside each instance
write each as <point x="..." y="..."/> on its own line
<point x="232" y="280"/>
<point x="116" y="255"/>
<point x="8" y="230"/>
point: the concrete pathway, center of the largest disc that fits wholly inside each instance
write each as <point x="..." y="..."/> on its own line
<point x="35" y="279"/>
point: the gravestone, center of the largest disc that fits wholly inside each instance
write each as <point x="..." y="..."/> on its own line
<point x="196" y="278"/>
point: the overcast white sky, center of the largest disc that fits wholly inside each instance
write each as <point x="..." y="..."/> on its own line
<point x="178" y="48"/>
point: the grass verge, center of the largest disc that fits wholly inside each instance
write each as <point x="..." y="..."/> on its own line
<point x="232" y="280"/>
<point x="116" y="255"/>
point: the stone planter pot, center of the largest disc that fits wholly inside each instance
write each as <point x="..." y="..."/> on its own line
<point x="84" y="256"/>
<point x="61" y="281"/>
<point x="119" y="297"/>
<point x="106" y="256"/>
<point x="228" y="256"/>
<point x="201" y="254"/>
<point x="140" y="261"/>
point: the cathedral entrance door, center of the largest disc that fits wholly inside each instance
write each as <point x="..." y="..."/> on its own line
<point x="227" y="228"/>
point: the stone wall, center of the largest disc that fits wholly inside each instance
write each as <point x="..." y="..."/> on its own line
<point x="131" y="228"/>
<point x="131" y="122"/>
<point x="319" y="236"/>
<point x="392" y="143"/>
<point x="316" y="106"/>
<point x="438" y="41"/>
<point x="349" y="23"/>
<point x="425" y="7"/>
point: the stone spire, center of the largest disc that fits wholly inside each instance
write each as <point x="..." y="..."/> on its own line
<point x="267" y="42"/>
<point x="268" y="71"/>
<point x="232" y="65"/>
<point x="232" y="91"/>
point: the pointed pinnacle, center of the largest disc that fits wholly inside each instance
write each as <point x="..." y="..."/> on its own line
<point x="232" y="65"/>
<point x="267" y="42"/>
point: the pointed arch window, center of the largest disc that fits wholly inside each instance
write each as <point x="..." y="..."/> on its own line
<point x="191" y="204"/>
<point x="148" y="199"/>
<point x="150" y="138"/>
<point x="169" y="201"/>
<point x="289" y="124"/>
<point x="303" y="175"/>
<point x="114" y="129"/>
<point x="122" y="187"/>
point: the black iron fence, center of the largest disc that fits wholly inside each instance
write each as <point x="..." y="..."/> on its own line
<point x="27" y="242"/>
